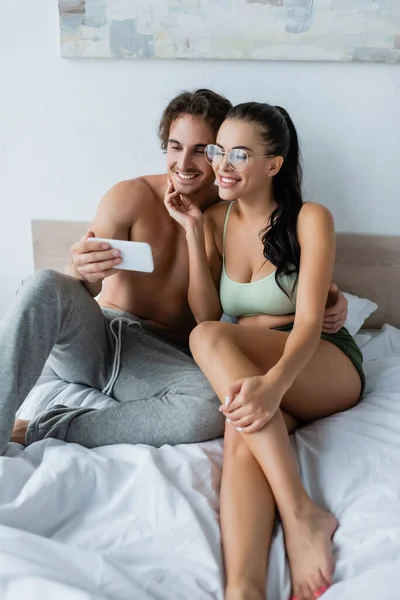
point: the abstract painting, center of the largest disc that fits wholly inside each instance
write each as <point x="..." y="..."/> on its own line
<point x="343" y="30"/>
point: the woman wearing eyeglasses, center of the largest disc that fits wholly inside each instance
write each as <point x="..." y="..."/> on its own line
<point x="266" y="258"/>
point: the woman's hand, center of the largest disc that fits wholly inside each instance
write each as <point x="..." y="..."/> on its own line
<point x="252" y="402"/>
<point x="184" y="212"/>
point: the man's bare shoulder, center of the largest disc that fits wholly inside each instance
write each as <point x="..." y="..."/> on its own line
<point x="133" y="197"/>
<point x="147" y="187"/>
<point x="156" y="184"/>
<point x="124" y="204"/>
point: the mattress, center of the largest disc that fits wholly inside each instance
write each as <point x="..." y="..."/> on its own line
<point x="124" y="522"/>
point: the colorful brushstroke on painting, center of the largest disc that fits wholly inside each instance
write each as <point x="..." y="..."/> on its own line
<point x="344" y="30"/>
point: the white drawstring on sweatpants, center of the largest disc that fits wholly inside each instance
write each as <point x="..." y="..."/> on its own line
<point x="118" y="345"/>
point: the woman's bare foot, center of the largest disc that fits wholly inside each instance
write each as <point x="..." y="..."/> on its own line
<point x="19" y="431"/>
<point x="244" y="592"/>
<point x="308" y="540"/>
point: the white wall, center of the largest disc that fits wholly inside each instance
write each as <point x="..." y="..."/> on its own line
<point x="70" y="129"/>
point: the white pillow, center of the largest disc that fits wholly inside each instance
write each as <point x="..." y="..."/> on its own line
<point x="359" y="310"/>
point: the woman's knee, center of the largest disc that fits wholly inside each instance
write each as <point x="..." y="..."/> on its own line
<point x="206" y="336"/>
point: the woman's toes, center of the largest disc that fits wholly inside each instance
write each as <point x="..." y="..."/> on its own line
<point x="318" y="593"/>
<point x="319" y="584"/>
<point x="306" y="592"/>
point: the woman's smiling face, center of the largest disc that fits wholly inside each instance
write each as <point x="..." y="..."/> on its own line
<point x="252" y="179"/>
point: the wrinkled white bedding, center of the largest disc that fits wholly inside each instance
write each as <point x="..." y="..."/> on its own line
<point x="133" y="522"/>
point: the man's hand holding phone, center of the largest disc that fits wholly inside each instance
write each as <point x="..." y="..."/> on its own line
<point x="94" y="261"/>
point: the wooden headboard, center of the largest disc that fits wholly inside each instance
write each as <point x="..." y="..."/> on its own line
<point x="366" y="265"/>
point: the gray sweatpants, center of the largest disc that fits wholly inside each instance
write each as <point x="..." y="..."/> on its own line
<point x="161" y="396"/>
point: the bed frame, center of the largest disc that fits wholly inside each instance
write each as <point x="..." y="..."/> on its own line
<point x="366" y="265"/>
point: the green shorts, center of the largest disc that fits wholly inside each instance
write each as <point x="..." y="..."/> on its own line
<point x="346" y="343"/>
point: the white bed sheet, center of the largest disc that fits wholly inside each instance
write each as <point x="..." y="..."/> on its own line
<point x="125" y="522"/>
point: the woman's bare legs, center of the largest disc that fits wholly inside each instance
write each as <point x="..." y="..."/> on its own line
<point x="248" y="515"/>
<point x="230" y="352"/>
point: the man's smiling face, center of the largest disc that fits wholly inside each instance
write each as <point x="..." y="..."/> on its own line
<point x="186" y="163"/>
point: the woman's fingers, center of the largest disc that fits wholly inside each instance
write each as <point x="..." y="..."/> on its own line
<point x="244" y="422"/>
<point x="237" y="414"/>
<point x="171" y="193"/>
<point x="232" y="391"/>
<point x="173" y="198"/>
<point x="234" y="405"/>
<point x="254" y="427"/>
<point x="175" y="202"/>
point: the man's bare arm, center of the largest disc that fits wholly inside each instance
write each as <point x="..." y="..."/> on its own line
<point x="116" y="215"/>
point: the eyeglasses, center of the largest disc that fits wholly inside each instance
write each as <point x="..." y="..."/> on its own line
<point x="237" y="158"/>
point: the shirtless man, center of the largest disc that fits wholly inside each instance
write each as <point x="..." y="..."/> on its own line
<point x="133" y="343"/>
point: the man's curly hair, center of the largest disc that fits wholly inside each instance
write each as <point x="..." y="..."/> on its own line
<point x="201" y="103"/>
